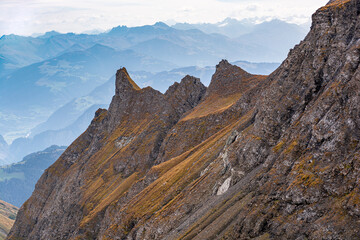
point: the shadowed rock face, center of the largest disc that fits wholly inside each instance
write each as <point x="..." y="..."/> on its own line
<point x="252" y="157"/>
<point x="185" y="95"/>
<point x="228" y="79"/>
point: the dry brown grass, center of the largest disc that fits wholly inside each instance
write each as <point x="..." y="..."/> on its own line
<point x="336" y="3"/>
<point x="216" y="104"/>
<point x="7" y="218"/>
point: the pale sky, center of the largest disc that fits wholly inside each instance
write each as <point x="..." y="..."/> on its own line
<point x="25" y="17"/>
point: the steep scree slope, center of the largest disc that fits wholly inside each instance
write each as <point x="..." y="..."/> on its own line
<point x="264" y="158"/>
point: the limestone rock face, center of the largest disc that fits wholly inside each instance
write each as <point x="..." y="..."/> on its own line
<point x="251" y="157"/>
<point x="185" y="95"/>
<point x="228" y="79"/>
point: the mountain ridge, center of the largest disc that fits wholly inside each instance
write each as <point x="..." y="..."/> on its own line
<point x="277" y="160"/>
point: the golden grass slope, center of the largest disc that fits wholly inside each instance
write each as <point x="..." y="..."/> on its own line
<point x="7" y="218"/>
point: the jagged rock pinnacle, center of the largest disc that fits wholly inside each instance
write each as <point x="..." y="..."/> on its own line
<point x="124" y="82"/>
<point x="283" y="151"/>
<point x="185" y="95"/>
<point x="227" y="79"/>
<point x="223" y="64"/>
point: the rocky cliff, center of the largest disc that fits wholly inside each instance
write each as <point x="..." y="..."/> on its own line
<point x="274" y="157"/>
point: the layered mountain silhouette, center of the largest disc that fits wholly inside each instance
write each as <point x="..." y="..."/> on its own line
<point x="34" y="91"/>
<point x="19" y="51"/>
<point x="17" y="181"/>
<point x="39" y="75"/>
<point x="237" y="29"/>
<point x="4" y="151"/>
<point x="248" y="157"/>
<point x="69" y="121"/>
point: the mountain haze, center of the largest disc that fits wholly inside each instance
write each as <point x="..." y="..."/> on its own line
<point x="17" y="181"/>
<point x="69" y="121"/>
<point x="38" y="75"/>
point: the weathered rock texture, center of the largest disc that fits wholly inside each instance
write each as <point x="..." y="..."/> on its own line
<point x="253" y="157"/>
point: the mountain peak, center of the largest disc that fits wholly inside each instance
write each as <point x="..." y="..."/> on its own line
<point x="124" y="82"/>
<point x="185" y="95"/>
<point x="227" y="79"/>
<point x="118" y="30"/>
<point x="49" y="34"/>
<point x="161" y="25"/>
<point x="223" y="64"/>
<point x="2" y="141"/>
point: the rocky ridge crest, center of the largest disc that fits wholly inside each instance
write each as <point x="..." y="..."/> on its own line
<point x="259" y="157"/>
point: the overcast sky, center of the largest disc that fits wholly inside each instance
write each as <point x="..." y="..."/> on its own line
<point x="26" y="17"/>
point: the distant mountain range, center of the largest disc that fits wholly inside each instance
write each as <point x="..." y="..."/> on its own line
<point x="41" y="78"/>
<point x="270" y="40"/>
<point x="235" y="29"/>
<point x="4" y="151"/>
<point x="69" y="121"/>
<point x="229" y="27"/>
<point x="190" y="44"/>
<point x="17" y="181"/>
<point x="34" y="91"/>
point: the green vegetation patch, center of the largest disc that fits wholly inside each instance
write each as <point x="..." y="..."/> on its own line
<point x="8" y="176"/>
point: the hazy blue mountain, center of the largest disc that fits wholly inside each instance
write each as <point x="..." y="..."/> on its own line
<point x="70" y="120"/>
<point x="71" y="111"/>
<point x="4" y="152"/>
<point x="277" y="35"/>
<point x="17" y="181"/>
<point x="49" y="34"/>
<point x="229" y="27"/>
<point x="72" y="65"/>
<point x="29" y="95"/>
<point x="257" y="68"/>
<point x="63" y="136"/>
<point x="236" y="28"/>
<point x="19" y="51"/>
<point x="162" y="80"/>
<point x="268" y="41"/>
<point x="181" y="47"/>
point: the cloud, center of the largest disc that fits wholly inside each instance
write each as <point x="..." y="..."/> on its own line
<point x="233" y="1"/>
<point x="26" y="17"/>
<point x="252" y="8"/>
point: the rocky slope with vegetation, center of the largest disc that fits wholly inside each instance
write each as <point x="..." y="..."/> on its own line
<point x="7" y="218"/>
<point x="250" y="156"/>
